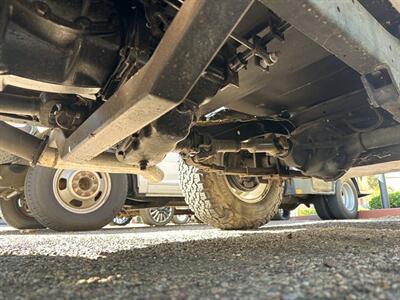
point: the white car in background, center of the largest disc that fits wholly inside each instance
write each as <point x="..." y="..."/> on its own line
<point x="145" y="193"/>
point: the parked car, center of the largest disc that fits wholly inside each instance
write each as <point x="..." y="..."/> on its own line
<point x="156" y="216"/>
<point x="249" y="95"/>
<point x="145" y="193"/>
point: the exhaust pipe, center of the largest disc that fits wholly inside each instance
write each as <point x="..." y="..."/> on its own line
<point x="35" y="151"/>
<point x="19" y="105"/>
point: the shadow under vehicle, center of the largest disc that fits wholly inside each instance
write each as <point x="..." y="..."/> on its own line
<point x="250" y="93"/>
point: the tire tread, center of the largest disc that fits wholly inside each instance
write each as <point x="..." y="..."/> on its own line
<point x="206" y="199"/>
<point x="43" y="216"/>
<point x="14" y="218"/>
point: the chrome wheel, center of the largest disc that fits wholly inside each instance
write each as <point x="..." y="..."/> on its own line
<point x="181" y="219"/>
<point x="247" y="189"/>
<point x="348" y="197"/>
<point x="161" y="214"/>
<point x="121" y="220"/>
<point x="81" y="192"/>
<point x="23" y="207"/>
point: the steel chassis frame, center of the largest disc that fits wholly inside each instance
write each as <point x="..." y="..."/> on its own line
<point x="195" y="36"/>
<point x="344" y="28"/>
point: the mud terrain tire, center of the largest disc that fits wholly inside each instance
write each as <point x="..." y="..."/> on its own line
<point x="210" y="198"/>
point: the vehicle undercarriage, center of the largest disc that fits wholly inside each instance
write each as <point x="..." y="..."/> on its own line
<point x="268" y="89"/>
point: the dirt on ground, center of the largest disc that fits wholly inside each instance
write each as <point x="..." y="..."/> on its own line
<point x="283" y="260"/>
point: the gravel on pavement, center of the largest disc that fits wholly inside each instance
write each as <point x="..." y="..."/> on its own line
<point x="282" y="260"/>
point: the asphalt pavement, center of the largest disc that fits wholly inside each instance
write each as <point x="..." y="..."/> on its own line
<point x="290" y="260"/>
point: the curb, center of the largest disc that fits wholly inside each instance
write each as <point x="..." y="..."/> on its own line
<point x="364" y="214"/>
<point x="379" y="213"/>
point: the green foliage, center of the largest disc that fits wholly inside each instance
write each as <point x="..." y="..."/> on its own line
<point x="394" y="198"/>
<point x="372" y="182"/>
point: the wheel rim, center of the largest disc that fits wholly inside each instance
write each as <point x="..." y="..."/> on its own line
<point x="120" y="220"/>
<point x="81" y="192"/>
<point x="348" y="196"/>
<point x="247" y="189"/>
<point x="161" y="214"/>
<point x="181" y="218"/>
<point x="23" y="207"/>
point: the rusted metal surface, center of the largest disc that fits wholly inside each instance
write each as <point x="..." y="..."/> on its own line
<point x="29" y="147"/>
<point x="345" y="29"/>
<point x="20" y="105"/>
<point x="18" y="142"/>
<point x="195" y="36"/>
<point x="105" y="162"/>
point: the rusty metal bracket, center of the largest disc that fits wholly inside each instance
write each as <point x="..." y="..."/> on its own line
<point x="193" y="39"/>
<point x="382" y="91"/>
